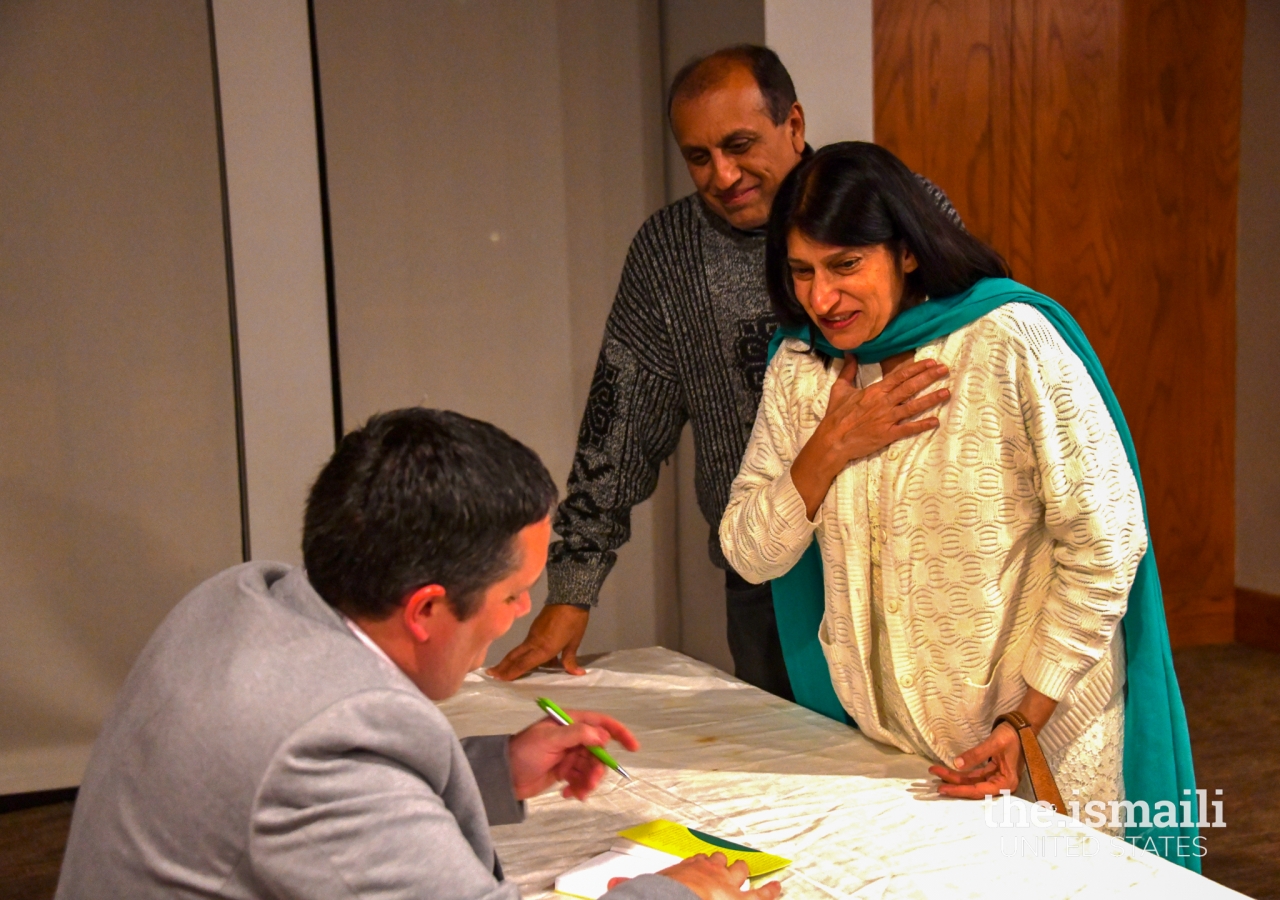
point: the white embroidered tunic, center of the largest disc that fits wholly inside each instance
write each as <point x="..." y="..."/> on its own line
<point x="965" y="563"/>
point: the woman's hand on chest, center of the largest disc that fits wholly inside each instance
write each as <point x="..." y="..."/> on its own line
<point x="860" y="421"/>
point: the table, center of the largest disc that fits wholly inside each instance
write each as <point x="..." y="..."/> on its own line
<point x="859" y="819"/>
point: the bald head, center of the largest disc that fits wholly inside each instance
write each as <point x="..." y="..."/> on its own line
<point x="762" y="64"/>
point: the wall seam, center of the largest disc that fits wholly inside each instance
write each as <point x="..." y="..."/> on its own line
<point x="241" y="464"/>
<point x="663" y="76"/>
<point x="326" y="230"/>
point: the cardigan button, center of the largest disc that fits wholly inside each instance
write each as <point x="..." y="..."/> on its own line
<point x="891" y="606"/>
<point x="906" y="681"/>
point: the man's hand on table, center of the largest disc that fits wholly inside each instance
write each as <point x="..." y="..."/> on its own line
<point x="556" y="632"/>
<point x="547" y="753"/>
<point x="711" y="878"/>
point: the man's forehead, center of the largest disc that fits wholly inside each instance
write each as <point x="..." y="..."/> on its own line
<point x="731" y="102"/>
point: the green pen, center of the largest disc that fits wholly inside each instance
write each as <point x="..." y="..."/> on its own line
<point x="549" y="707"/>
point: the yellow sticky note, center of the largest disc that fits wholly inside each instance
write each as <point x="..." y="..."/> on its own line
<point x="670" y="837"/>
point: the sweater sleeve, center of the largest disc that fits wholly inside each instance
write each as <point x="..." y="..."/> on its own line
<point x="1092" y="509"/>
<point x="765" y="528"/>
<point x="635" y="411"/>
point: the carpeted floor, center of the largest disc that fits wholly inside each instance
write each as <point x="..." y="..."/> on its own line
<point x="1231" y="697"/>
<point x="31" y="845"/>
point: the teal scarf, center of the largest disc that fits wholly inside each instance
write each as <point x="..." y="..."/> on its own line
<point x="1157" y="749"/>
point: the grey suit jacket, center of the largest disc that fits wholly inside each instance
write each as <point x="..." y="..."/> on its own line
<point x="258" y="749"/>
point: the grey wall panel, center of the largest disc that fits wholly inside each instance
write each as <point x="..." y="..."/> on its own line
<point x="118" y="478"/>
<point x="691" y="28"/>
<point x="1258" y="306"/>
<point x="282" y="317"/>
<point x="488" y="165"/>
<point x="611" y="84"/>
<point x="826" y="47"/>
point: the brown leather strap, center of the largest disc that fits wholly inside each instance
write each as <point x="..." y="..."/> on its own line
<point x="1042" y="784"/>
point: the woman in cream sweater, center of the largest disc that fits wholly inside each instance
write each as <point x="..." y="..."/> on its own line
<point x="979" y="566"/>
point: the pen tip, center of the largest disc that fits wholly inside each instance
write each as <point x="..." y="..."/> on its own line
<point x="623" y="772"/>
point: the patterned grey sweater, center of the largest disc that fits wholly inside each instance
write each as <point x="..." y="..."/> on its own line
<point x="686" y="341"/>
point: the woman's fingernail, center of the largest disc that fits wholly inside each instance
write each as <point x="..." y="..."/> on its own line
<point x="959" y="762"/>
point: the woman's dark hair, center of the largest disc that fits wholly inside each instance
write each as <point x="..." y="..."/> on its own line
<point x="417" y="497"/>
<point x="856" y="194"/>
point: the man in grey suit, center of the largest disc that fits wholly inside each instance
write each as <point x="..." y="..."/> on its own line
<point x="277" y="737"/>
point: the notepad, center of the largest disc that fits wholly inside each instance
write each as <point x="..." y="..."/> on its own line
<point x="625" y="859"/>
<point x="682" y="841"/>
<point x="652" y="847"/>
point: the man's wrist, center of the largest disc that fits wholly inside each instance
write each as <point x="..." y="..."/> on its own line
<point x="569" y="601"/>
<point x="489" y="757"/>
<point x="577" y="582"/>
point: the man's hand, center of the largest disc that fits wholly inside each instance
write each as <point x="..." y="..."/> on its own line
<point x="859" y="421"/>
<point x="712" y="879"/>
<point x="557" y="631"/>
<point x="547" y="753"/>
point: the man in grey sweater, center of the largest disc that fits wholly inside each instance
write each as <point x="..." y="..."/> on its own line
<point x="685" y="341"/>
<point x="278" y="736"/>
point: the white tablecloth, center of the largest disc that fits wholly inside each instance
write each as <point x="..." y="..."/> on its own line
<point x="859" y="819"/>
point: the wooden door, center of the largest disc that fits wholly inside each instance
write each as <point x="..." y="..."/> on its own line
<point x="1096" y="144"/>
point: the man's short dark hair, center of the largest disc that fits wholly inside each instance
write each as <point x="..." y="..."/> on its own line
<point x="705" y="72"/>
<point x="418" y="497"/>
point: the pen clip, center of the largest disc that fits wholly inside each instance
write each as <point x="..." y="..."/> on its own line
<point x="550" y="708"/>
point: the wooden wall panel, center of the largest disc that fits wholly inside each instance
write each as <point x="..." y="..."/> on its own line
<point x="1182" y="89"/>
<point x="935" y="68"/>
<point x="1095" y="144"/>
<point x="1258" y="619"/>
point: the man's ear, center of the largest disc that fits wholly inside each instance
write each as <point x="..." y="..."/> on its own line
<point x="422" y="611"/>
<point x="795" y="121"/>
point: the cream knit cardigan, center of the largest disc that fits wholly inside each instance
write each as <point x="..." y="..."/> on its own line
<point x="1008" y="538"/>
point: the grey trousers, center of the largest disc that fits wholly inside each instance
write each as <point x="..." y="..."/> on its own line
<point x="753" y="635"/>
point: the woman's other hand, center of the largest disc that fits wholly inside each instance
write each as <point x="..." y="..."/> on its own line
<point x="993" y="766"/>
<point x="996" y="764"/>
<point x="860" y="421"/>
